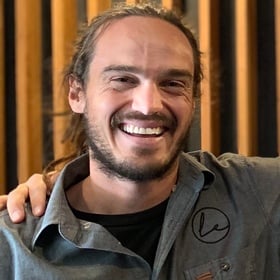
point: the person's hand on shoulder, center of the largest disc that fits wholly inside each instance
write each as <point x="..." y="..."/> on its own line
<point x="3" y="201"/>
<point x="34" y="189"/>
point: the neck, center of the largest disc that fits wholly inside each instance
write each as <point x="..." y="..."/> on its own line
<point x="101" y="194"/>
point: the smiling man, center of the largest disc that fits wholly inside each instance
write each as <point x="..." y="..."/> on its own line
<point x="137" y="109"/>
<point x="134" y="206"/>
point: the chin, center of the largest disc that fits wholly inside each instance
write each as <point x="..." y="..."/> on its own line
<point x="145" y="171"/>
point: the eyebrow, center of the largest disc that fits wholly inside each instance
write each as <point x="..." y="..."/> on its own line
<point x="133" y="69"/>
<point x="177" y="73"/>
<point x="122" y="68"/>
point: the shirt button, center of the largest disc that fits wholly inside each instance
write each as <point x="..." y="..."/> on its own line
<point x="86" y="225"/>
<point x="225" y="266"/>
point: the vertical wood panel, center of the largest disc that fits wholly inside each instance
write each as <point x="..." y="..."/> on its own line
<point x="168" y="4"/>
<point x="28" y="87"/>
<point x="2" y="102"/>
<point x="173" y="5"/>
<point x="246" y="89"/>
<point x="94" y="7"/>
<point x="208" y="34"/>
<point x="277" y="47"/>
<point x="131" y="2"/>
<point x="64" y="31"/>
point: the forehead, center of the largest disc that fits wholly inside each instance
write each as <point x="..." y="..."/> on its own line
<point x="143" y="40"/>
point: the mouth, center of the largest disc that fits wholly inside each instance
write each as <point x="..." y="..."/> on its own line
<point x="144" y="126"/>
<point x="142" y="131"/>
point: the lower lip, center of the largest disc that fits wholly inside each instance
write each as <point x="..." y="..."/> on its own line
<point x="142" y="139"/>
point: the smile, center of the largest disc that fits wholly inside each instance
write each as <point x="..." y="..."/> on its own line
<point x="145" y="131"/>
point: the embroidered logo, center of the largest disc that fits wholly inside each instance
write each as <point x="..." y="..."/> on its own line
<point x="210" y="225"/>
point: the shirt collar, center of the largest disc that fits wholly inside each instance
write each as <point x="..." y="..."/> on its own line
<point x="59" y="213"/>
<point x="192" y="163"/>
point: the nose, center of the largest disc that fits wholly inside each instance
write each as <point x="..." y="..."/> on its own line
<point x="147" y="99"/>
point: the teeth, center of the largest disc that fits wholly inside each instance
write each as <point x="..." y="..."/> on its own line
<point x="142" y="130"/>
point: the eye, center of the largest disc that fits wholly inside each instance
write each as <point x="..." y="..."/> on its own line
<point x="174" y="83"/>
<point x="178" y="87"/>
<point x="122" y="80"/>
<point x="122" y="83"/>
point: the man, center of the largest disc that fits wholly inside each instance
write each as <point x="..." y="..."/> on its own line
<point x="134" y="206"/>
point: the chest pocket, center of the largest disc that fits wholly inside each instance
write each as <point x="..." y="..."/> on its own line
<point x="239" y="266"/>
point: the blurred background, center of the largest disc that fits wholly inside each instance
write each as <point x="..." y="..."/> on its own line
<point x="239" y="110"/>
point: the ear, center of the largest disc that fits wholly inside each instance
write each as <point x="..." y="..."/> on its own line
<point x="76" y="95"/>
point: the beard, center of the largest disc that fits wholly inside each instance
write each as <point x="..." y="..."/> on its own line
<point x="125" y="169"/>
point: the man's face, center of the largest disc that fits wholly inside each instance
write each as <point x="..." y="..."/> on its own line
<point x="138" y="101"/>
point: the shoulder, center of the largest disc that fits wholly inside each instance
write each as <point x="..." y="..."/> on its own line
<point x="252" y="177"/>
<point x="260" y="173"/>
<point x="237" y="161"/>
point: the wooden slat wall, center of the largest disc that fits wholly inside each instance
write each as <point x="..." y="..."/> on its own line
<point x="277" y="47"/>
<point x="131" y="2"/>
<point x="64" y="20"/>
<point x="246" y="89"/>
<point x="168" y="4"/>
<point x="2" y="100"/>
<point x="28" y="87"/>
<point x="208" y="34"/>
<point x="95" y="7"/>
<point x="176" y="5"/>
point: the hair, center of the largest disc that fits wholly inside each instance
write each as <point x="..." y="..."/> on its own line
<point x="84" y="53"/>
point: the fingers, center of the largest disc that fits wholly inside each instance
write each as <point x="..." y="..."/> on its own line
<point x="16" y="201"/>
<point x="3" y="202"/>
<point x="33" y="189"/>
<point x="37" y="194"/>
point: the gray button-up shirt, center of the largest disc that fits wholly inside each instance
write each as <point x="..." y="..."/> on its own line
<point x="221" y="222"/>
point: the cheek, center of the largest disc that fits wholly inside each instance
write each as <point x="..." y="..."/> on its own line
<point x="183" y="111"/>
<point x="102" y="108"/>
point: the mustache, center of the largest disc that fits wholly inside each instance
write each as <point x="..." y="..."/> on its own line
<point x="164" y="120"/>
